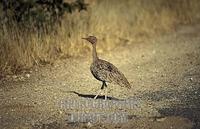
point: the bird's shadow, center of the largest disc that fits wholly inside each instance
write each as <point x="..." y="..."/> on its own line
<point x="92" y="96"/>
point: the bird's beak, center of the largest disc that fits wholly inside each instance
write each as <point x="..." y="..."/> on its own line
<point x="85" y="38"/>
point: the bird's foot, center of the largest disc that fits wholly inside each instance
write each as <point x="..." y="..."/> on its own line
<point x="105" y="97"/>
<point x="97" y="94"/>
<point x="95" y="97"/>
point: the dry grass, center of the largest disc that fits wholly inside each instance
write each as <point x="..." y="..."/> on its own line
<point x="114" y="22"/>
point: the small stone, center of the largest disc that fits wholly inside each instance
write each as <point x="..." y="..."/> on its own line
<point x="14" y="76"/>
<point x="55" y="97"/>
<point x="89" y="124"/>
<point x="161" y="119"/>
<point x="36" y="89"/>
<point x="191" y="79"/>
<point x="60" y="112"/>
<point x="21" y="78"/>
<point x="28" y="75"/>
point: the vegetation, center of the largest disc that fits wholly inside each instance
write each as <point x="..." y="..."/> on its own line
<point x="36" y="32"/>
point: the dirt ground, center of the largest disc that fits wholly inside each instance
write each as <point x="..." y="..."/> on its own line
<point x="164" y="74"/>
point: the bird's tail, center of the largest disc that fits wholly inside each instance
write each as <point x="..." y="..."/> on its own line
<point x="125" y="83"/>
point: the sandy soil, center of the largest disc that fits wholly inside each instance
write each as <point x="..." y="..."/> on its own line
<point x="164" y="74"/>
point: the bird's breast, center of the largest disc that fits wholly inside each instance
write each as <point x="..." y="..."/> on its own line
<point x="98" y="72"/>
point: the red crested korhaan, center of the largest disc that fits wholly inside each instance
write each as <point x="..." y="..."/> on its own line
<point x="104" y="71"/>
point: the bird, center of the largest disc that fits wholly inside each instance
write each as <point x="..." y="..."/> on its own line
<point x="105" y="71"/>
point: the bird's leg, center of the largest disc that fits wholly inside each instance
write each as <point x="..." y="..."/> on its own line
<point x="97" y="94"/>
<point x="100" y="90"/>
<point x="106" y="91"/>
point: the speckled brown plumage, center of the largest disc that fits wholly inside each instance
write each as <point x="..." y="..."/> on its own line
<point x="107" y="72"/>
<point x="104" y="71"/>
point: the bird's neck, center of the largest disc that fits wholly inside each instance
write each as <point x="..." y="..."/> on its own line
<point x="94" y="52"/>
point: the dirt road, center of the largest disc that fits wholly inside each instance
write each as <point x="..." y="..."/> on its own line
<point x="164" y="74"/>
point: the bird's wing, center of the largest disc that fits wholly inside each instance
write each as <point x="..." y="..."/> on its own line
<point x="112" y="74"/>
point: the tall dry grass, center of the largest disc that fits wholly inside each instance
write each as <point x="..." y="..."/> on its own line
<point x="114" y="22"/>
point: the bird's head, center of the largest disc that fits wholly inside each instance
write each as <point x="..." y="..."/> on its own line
<point x="91" y="39"/>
